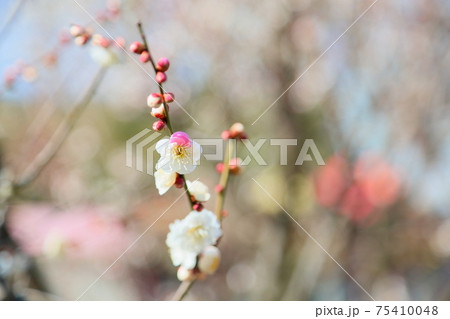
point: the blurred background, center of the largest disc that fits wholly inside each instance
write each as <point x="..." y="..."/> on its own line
<point x="376" y="105"/>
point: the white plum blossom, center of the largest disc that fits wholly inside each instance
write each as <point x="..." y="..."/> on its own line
<point x="103" y="56"/>
<point x="164" y="180"/>
<point x="178" y="154"/>
<point x="199" y="190"/>
<point x="188" y="237"/>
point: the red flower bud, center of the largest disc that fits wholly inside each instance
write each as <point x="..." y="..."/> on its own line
<point x="137" y="47"/>
<point x="218" y="188"/>
<point x="161" y="77"/>
<point x="169" y="97"/>
<point x="76" y="30"/>
<point x="82" y="39"/>
<point x="198" y="207"/>
<point x="158" y="126"/>
<point x="225" y="135"/>
<point x="144" y="57"/>
<point x="219" y="167"/>
<point x="154" y="99"/>
<point x="159" y="112"/>
<point x="179" y="182"/>
<point x="163" y="64"/>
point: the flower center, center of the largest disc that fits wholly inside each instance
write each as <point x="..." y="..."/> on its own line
<point x="179" y="151"/>
<point x="198" y="232"/>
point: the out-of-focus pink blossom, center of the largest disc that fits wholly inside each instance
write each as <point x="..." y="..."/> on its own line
<point x="355" y="204"/>
<point x="331" y="181"/>
<point x="80" y="232"/>
<point x="379" y="181"/>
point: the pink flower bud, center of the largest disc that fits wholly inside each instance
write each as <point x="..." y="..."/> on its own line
<point x="144" y="57"/>
<point x="219" y="167"/>
<point x="180" y="138"/>
<point x="98" y="39"/>
<point x="161" y="77"/>
<point x="224" y="213"/>
<point x="219" y="188"/>
<point x="225" y="135"/>
<point x="163" y="64"/>
<point x="158" y="126"/>
<point x="137" y="47"/>
<point x="76" y="30"/>
<point x="179" y="182"/>
<point x="154" y="99"/>
<point x="198" y="207"/>
<point x="236" y="130"/>
<point x="159" y="112"/>
<point x="169" y="97"/>
<point x="82" y="39"/>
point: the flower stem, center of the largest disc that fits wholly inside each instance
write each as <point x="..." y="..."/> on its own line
<point x="166" y="108"/>
<point x="182" y="290"/>
<point x="224" y="178"/>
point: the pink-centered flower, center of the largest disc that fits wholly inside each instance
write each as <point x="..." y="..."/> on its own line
<point x="178" y="154"/>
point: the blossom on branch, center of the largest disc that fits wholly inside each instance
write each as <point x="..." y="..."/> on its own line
<point x="178" y="154"/>
<point x="190" y="236"/>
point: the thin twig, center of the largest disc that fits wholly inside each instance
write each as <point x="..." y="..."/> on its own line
<point x="182" y="290"/>
<point x="166" y="107"/>
<point x="60" y="135"/>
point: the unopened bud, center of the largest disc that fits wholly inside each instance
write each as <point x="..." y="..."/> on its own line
<point x="154" y="99"/>
<point x="82" y="39"/>
<point x="198" y="207"/>
<point x="144" y="57"/>
<point x="219" y="188"/>
<point x="169" y="97"/>
<point x="225" y="135"/>
<point x="158" y="126"/>
<point x="219" y="167"/>
<point x="184" y="274"/>
<point x="236" y="130"/>
<point x="98" y="39"/>
<point x="159" y="112"/>
<point x="235" y="166"/>
<point x="163" y="64"/>
<point x="179" y="182"/>
<point x="161" y="77"/>
<point x="137" y="47"/>
<point x="209" y="260"/>
<point x="76" y="30"/>
<point x="224" y="213"/>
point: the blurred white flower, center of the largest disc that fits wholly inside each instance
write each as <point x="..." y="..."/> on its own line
<point x="199" y="190"/>
<point x="178" y="154"/>
<point x="164" y="180"/>
<point x="188" y="237"/>
<point x="103" y="56"/>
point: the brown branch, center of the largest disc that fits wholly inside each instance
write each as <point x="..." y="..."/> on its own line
<point x="55" y="142"/>
<point x="166" y="107"/>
